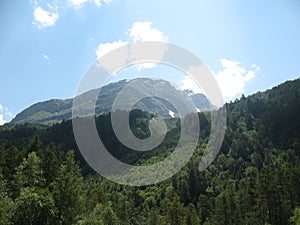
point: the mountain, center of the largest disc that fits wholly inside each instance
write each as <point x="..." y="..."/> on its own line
<point x="56" y="110"/>
<point x="254" y="179"/>
<point x="275" y="113"/>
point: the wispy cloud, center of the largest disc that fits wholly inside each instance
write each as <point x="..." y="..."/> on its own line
<point x="43" y="18"/>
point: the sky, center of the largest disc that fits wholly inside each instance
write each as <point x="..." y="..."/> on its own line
<point x="47" y="46"/>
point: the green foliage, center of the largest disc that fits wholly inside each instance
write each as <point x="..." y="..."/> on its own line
<point x="295" y="219"/>
<point x="191" y="217"/>
<point x="175" y="211"/>
<point x="34" y="207"/>
<point x="67" y="190"/>
<point x="5" y="203"/>
<point x="51" y="161"/>
<point x="29" y="173"/>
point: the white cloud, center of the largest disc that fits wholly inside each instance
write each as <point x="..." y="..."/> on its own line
<point x="143" y="31"/>
<point x="77" y="3"/>
<point x="46" y="18"/>
<point x="232" y="79"/>
<point x="104" y="48"/>
<point x="46" y="57"/>
<point x="2" y="121"/>
<point x="98" y="3"/>
<point x="43" y="18"/>
<point x="4" y="111"/>
<point x="189" y="84"/>
<point x="140" y="31"/>
<point x="141" y="66"/>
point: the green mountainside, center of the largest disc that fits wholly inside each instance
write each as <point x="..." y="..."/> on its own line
<point x="253" y="180"/>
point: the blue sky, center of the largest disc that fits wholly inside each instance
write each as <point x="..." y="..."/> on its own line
<point x="46" y="46"/>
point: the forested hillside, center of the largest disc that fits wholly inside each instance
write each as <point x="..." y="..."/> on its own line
<point x="255" y="179"/>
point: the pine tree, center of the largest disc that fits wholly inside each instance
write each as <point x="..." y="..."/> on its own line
<point x="5" y="203"/>
<point x="51" y="161"/>
<point x="29" y="173"/>
<point x="35" y="145"/>
<point x="175" y="211"/>
<point x="108" y="216"/>
<point x="67" y="190"/>
<point x="191" y="217"/>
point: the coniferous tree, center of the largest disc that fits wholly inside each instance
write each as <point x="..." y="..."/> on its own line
<point x="191" y="217"/>
<point x="175" y="214"/>
<point x="67" y="190"/>
<point x="29" y="173"/>
<point x="5" y="203"/>
<point x="51" y="161"/>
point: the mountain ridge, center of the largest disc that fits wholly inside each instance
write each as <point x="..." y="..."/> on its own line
<point x="56" y="110"/>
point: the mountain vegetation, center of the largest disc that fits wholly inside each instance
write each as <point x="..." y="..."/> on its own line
<point x="255" y="178"/>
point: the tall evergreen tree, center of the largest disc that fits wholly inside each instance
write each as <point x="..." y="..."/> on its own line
<point x="5" y="203"/>
<point x="51" y="161"/>
<point x="191" y="217"/>
<point x="67" y="190"/>
<point x="175" y="213"/>
<point x="29" y="173"/>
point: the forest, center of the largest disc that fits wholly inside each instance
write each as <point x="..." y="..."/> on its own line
<point x="254" y="180"/>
